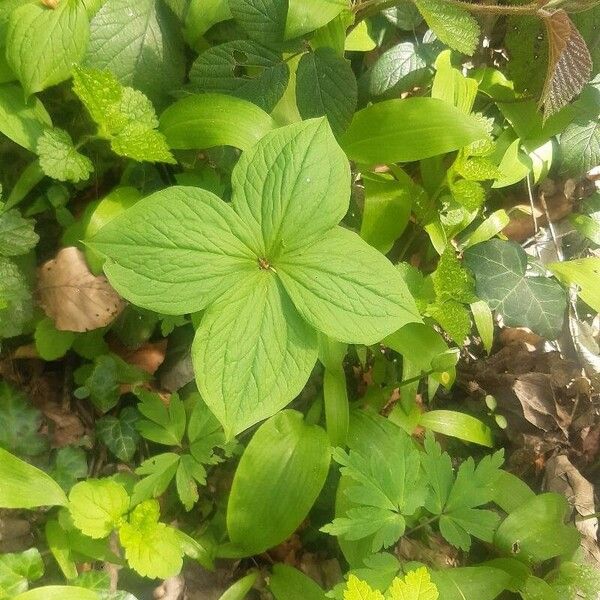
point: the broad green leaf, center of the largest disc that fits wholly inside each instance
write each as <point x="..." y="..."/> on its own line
<point x="452" y="25"/>
<point x="244" y="69"/>
<point x="119" y="434"/>
<point x="416" y="585"/>
<point x="140" y="44"/>
<point x="292" y="187"/>
<point x="326" y="86"/>
<point x="430" y="127"/>
<point x="585" y="273"/>
<point x="500" y="272"/>
<point x="405" y="15"/>
<point x="182" y="258"/>
<point x="17" y="570"/>
<point x="201" y="16"/>
<point x="158" y="472"/>
<point x="360" y="590"/>
<point x="353" y="295"/>
<point x="97" y="506"/>
<point x="240" y="588"/>
<point x="358" y="40"/>
<point x="23" y="121"/>
<point x="484" y="321"/>
<point x="70" y="464"/>
<point x="510" y="492"/>
<point x="25" y="486"/>
<point x="58" y="592"/>
<point x="396" y="70"/>
<point x="15" y="299"/>
<point x="252" y="352"/>
<point x="43" y="43"/>
<point x="277" y="481"/>
<point x="152" y="549"/>
<point x="524" y="533"/>
<point x="51" y="343"/>
<point x="580" y="146"/>
<point x="287" y="583"/>
<point x="451" y="85"/>
<point x="387" y="209"/>
<point x="207" y="120"/>
<point x="19" y="423"/>
<point x="263" y="20"/>
<point x="470" y="583"/>
<point x="17" y="235"/>
<point x="493" y="225"/>
<point x="335" y="400"/>
<point x="304" y="17"/>
<point x="60" y="159"/>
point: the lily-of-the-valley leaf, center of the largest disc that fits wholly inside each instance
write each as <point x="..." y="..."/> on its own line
<point x="270" y="269"/>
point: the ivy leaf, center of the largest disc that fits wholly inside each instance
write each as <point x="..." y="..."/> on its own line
<point x="159" y="471"/>
<point x="569" y="62"/>
<point x="416" y="585"/>
<point x="338" y="296"/>
<point x="452" y="25"/>
<point x="15" y="299"/>
<point x="19" y="423"/>
<point x="360" y="590"/>
<point x="16" y="234"/>
<point x="17" y="570"/>
<point x="151" y="548"/>
<point x="500" y="273"/>
<point x="70" y="464"/>
<point x="124" y="116"/>
<point x="140" y="44"/>
<point x="119" y="434"/>
<point x="242" y="68"/>
<point x="164" y="424"/>
<point x="270" y="361"/>
<point x="60" y="160"/>
<point x="97" y="506"/>
<point x="43" y="43"/>
<point x="326" y="86"/>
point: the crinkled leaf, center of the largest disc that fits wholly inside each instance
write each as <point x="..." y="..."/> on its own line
<point x="500" y="273"/>
<point x="17" y="570"/>
<point x="43" y="43"/>
<point x="140" y="143"/>
<point x="452" y="25"/>
<point x="252" y="352"/>
<point x="453" y="317"/>
<point x="97" y="506"/>
<point x="569" y="62"/>
<point x="326" y="86"/>
<point x="451" y="281"/>
<point x="151" y="548"/>
<point x="347" y="289"/>
<point x="60" y="159"/>
<point x="469" y="194"/>
<point x="395" y="69"/>
<point x="15" y="299"/>
<point x="416" y="585"/>
<point x="17" y="235"/>
<point x="119" y="434"/>
<point x="242" y="68"/>
<point x="141" y="44"/>
<point x="360" y="590"/>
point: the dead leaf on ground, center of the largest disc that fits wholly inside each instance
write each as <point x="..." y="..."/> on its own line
<point x="74" y="298"/>
<point x="148" y="357"/>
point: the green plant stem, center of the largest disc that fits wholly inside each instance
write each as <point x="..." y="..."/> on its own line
<point x="373" y="7"/>
<point x="423" y="524"/>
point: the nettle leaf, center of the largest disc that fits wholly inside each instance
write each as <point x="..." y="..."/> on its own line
<point x="451" y="281"/>
<point x="19" y="423"/>
<point x="97" y="506"/>
<point x="15" y="299"/>
<point x="164" y="423"/>
<point x="124" y="116"/>
<point x="452" y="25"/>
<point x="500" y="273"/>
<point x="120" y="434"/>
<point x="139" y="43"/>
<point x="569" y="62"/>
<point x="60" y="159"/>
<point x="17" y="570"/>
<point x="326" y="86"/>
<point x="352" y="301"/>
<point x="242" y="68"/>
<point x="396" y="69"/>
<point x="151" y="548"/>
<point x="16" y="234"/>
<point x="43" y="43"/>
<point x="469" y="194"/>
<point x="453" y="317"/>
<point x="182" y="249"/>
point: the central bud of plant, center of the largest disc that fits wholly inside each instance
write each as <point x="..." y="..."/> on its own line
<point x="264" y="264"/>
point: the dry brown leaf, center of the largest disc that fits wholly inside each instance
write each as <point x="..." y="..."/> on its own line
<point x="74" y="298"/>
<point x="569" y="62"/>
